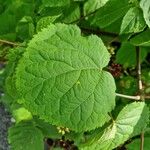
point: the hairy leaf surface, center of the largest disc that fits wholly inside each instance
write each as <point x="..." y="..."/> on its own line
<point x="61" y="79"/>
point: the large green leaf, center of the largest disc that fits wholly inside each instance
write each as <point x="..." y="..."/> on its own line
<point x="133" y="21"/>
<point x="60" y="78"/>
<point x="24" y="136"/>
<point x="142" y="39"/>
<point x="110" y="12"/>
<point x="145" y="5"/>
<point x="131" y="120"/>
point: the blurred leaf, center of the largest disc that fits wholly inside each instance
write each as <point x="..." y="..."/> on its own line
<point x="25" y="136"/>
<point x="142" y="39"/>
<point x="133" y="21"/>
<point x="109" y="13"/>
<point x="145" y="5"/>
<point x="25" y="28"/>
<point x="92" y="5"/>
<point x="21" y="114"/>
<point x="126" y="55"/>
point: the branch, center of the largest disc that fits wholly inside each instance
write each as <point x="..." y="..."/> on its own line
<point x="9" y="43"/>
<point x="140" y="87"/>
<point x="83" y="17"/>
<point x="128" y="97"/>
<point x="99" y="32"/>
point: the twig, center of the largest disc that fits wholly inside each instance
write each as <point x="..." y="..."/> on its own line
<point x="99" y="32"/>
<point x="137" y="97"/>
<point x="83" y="17"/>
<point x="129" y="97"/>
<point x="138" y="53"/>
<point x="9" y="43"/>
<point x="140" y="87"/>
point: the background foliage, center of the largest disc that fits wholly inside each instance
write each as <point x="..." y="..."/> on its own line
<point x="63" y="64"/>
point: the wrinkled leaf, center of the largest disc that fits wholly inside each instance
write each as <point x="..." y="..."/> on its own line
<point x="61" y="79"/>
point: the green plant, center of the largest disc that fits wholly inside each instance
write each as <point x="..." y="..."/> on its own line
<point x="72" y="77"/>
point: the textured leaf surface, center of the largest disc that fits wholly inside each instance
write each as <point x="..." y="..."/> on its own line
<point x="110" y="12"/>
<point x="24" y="136"/>
<point x="145" y="5"/>
<point x="133" y="21"/>
<point x="60" y="78"/>
<point x="142" y="39"/>
<point x="131" y="120"/>
<point x="45" y="21"/>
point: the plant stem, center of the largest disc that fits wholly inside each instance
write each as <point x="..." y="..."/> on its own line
<point x="9" y="43"/>
<point x="128" y="96"/>
<point x="100" y="32"/>
<point x="83" y="17"/>
<point x="140" y="86"/>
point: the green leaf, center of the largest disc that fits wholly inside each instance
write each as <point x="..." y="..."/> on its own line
<point x="61" y="78"/>
<point x="109" y="13"/>
<point x="126" y="55"/>
<point x="9" y="86"/>
<point x="92" y="5"/>
<point x="48" y="130"/>
<point x="145" y="5"/>
<point x="54" y="3"/>
<point x="24" y="136"/>
<point x="12" y="14"/>
<point x="133" y="21"/>
<point x="131" y="120"/>
<point x="45" y="21"/>
<point x="21" y="114"/>
<point x="71" y="13"/>
<point x="25" y="28"/>
<point x="134" y="145"/>
<point x="142" y="39"/>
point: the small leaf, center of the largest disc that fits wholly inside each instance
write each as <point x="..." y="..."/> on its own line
<point x="134" y="145"/>
<point x="126" y="55"/>
<point x="142" y="39"/>
<point x="109" y="13"/>
<point x="92" y="5"/>
<point x="71" y="13"/>
<point x="133" y="21"/>
<point x="131" y="120"/>
<point x="21" y="114"/>
<point x="61" y="79"/>
<point x="24" y="136"/>
<point x="145" y="5"/>
<point x="45" y="21"/>
<point x="48" y="130"/>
